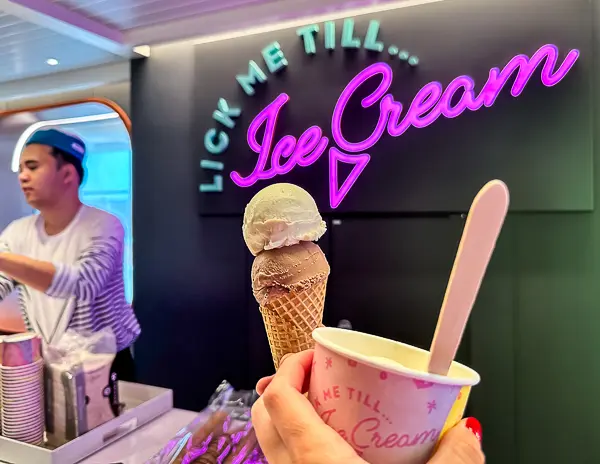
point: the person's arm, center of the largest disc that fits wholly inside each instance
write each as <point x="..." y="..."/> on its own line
<point x="33" y="273"/>
<point x="7" y="285"/>
<point x="85" y="279"/>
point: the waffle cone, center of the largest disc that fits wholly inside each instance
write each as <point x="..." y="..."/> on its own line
<point x="291" y="319"/>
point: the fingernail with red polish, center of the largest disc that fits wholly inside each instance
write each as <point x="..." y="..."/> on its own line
<point x="474" y="426"/>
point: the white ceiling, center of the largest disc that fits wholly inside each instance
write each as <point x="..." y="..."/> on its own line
<point x="25" y="47"/>
<point x="85" y="33"/>
<point x="130" y="14"/>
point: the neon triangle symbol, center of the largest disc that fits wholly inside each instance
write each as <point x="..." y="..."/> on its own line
<point x="336" y="195"/>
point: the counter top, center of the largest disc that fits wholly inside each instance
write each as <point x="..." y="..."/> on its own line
<point x="141" y="445"/>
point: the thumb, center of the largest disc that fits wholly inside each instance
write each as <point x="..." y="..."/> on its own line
<point x="459" y="446"/>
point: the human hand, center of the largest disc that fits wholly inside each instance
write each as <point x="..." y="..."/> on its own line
<point x="290" y="431"/>
<point x="461" y="445"/>
<point x="288" y="428"/>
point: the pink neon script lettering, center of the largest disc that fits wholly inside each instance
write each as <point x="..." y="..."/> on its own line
<point x="431" y="102"/>
<point x="287" y="153"/>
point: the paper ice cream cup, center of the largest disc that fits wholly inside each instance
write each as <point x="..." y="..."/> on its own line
<point x="458" y="410"/>
<point x="20" y="350"/>
<point x="389" y="413"/>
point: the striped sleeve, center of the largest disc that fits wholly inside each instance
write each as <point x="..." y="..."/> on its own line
<point x="7" y="285"/>
<point x="87" y="278"/>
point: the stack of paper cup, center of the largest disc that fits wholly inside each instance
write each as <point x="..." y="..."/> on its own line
<point x="22" y="388"/>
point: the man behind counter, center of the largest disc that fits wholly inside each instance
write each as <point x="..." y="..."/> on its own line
<point x="67" y="262"/>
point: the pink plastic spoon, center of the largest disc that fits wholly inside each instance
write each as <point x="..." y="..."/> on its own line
<point x="478" y="241"/>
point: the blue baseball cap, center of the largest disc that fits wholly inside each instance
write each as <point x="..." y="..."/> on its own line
<point x="68" y="143"/>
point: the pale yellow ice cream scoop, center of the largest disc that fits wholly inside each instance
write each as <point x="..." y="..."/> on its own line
<point x="281" y="215"/>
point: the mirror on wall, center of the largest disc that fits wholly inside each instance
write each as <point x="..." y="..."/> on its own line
<point x="108" y="167"/>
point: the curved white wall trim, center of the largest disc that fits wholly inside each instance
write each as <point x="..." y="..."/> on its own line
<point x="53" y="122"/>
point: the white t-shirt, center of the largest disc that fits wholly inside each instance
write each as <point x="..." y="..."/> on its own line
<point x="87" y="293"/>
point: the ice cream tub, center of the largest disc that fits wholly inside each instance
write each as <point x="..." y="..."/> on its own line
<point x="377" y="394"/>
<point x="458" y="409"/>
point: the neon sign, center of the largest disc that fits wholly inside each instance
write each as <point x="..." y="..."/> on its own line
<point x="431" y="102"/>
<point x="217" y="140"/>
<point x="279" y="157"/>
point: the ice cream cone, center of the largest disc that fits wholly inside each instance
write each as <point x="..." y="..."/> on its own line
<point x="289" y="272"/>
<point x="291" y="318"/>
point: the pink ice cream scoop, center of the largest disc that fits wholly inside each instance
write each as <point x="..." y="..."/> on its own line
<point x="288" y="269"/>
